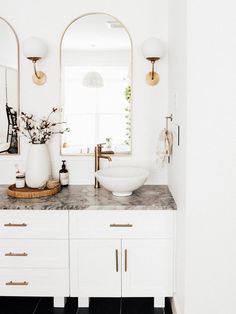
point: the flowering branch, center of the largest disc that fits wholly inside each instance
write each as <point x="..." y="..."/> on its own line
<point x="40" y="132"/>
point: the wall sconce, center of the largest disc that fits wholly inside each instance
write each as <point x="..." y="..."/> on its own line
<point x="153" y="50"/>
<point x="35" y="49"/>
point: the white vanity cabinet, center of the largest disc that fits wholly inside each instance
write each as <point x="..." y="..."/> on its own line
<point x="108" y="253"/>
<point x="95" y="268"/>
<point x="147" y="268"/>
<point x="34" y="255"/>
<point x="121" y="253"/>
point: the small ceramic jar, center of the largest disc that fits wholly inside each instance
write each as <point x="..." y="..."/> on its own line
<point x="20" y="181"/>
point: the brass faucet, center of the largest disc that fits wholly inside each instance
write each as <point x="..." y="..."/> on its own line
<point x="98" y="154"/>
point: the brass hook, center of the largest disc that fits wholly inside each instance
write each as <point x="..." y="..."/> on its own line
<point x="170" y="117"/>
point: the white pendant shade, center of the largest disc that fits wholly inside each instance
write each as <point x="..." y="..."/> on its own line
<point x="153" y="47"/>
<point x="34" y="47"/>
<point x="93" y="80"/>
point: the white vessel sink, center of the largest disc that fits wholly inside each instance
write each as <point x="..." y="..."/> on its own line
<point x="122" y="181"/>
<point x="4" y="147"/>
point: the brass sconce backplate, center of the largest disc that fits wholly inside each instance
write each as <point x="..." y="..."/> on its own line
<point x="40" y="79"/>
<point x="152" y="78"/>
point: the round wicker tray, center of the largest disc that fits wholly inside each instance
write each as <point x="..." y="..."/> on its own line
<point x="31" y="193"/>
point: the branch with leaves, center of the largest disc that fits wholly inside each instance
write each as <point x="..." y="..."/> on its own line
<point x="128" y="95"/>
<point x="40" y="131"/>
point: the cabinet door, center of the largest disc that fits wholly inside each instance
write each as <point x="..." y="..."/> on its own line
<point x="147" y="268"/>
<point x="95" y="268"/>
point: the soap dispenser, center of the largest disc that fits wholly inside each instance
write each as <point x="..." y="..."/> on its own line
<point x="64" y="175"/>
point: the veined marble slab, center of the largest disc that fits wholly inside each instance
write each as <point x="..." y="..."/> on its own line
<point x="85" y="197"/>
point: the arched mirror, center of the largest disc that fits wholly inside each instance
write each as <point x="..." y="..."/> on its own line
<point x="9" y="98"/>
<point x="96" y="66"/>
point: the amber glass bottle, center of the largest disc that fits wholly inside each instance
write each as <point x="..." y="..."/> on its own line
<point x="64" y="175"/>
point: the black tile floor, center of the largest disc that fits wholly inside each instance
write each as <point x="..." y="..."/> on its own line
<point x="17" y="305"/>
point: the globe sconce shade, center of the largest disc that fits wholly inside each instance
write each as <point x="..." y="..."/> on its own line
<point x="153" y="50"/>
<point x="93" y="80"/>
<point x="35" y="49"/>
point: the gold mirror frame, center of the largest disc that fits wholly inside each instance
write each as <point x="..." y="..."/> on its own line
<point x="131" y="79"/>
<point x="18" y="83"/>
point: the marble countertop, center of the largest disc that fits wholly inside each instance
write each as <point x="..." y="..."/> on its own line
<point x="85" y="197"/>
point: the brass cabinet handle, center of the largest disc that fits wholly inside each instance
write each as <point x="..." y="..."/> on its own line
<point x="16" y="254"/>
<point x="126" y="260"/>
<point x="15" y="283"/>
<point x="121" y="225"/>
<point x="15" y="225"/>
<point x="117" y="262"/>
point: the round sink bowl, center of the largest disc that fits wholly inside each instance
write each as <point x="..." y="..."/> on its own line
<point x="122" y="181"/>
<point x="4" y="147"/>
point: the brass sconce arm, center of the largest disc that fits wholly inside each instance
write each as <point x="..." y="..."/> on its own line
<point x="152" y="60"/>
<point x="34" y="60"/>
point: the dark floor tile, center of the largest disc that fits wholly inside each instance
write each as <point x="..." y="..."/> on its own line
<point x="103" y="306"/>
<point x="168" y="309"/>
<point x="121" y="306"/>
<point x="17" y="305"/>
<point x="137" y="305"/>
<point x="46" y="307"/>
<point x="158" y="311"/>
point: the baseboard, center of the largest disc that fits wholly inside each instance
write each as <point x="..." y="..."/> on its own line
<point x="174" y="306"/>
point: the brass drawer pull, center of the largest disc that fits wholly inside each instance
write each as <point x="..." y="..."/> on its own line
<point x="15" y="225"/>
<point x="16" y="254"/>
<point x="126" y="260"/>
<point x="121" y="225"/>
<point x="117" y="262"/>
<point x="15" y="283"/>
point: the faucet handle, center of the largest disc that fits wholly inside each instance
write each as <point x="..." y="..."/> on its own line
<point x="101" y="144"/>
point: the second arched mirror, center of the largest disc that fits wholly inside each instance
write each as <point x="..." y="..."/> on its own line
<point x="96" y="63"/>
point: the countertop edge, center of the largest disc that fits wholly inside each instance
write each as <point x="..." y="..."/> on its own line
<point x="86" y="198"/>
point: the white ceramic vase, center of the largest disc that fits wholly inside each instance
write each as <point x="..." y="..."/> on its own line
<point x="38" y="167"/>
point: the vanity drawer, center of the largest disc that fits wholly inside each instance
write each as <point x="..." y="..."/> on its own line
<point x="34" y="253"/>
<point x="122" y="224"/>
<point x="34" y="282"/>
<point x="34" y="224"/>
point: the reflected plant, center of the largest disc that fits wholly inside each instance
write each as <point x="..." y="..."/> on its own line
<point x="128" y="97"/>
<point x="109" y="142"/>
<point x="40" y="131"/>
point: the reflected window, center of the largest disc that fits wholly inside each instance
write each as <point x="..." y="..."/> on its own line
<point x="95" y="65"/>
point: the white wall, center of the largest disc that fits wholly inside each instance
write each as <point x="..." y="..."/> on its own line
<point x="211" y="151"/>
<point x="177" y="106"/>
<point x="206" y="222"/>
<point x="47" y="20"/>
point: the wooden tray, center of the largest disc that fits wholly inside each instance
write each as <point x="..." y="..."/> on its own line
<point x="31" y="193"/>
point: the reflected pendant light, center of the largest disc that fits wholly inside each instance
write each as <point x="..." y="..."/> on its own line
<point x="93" y="80"/>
